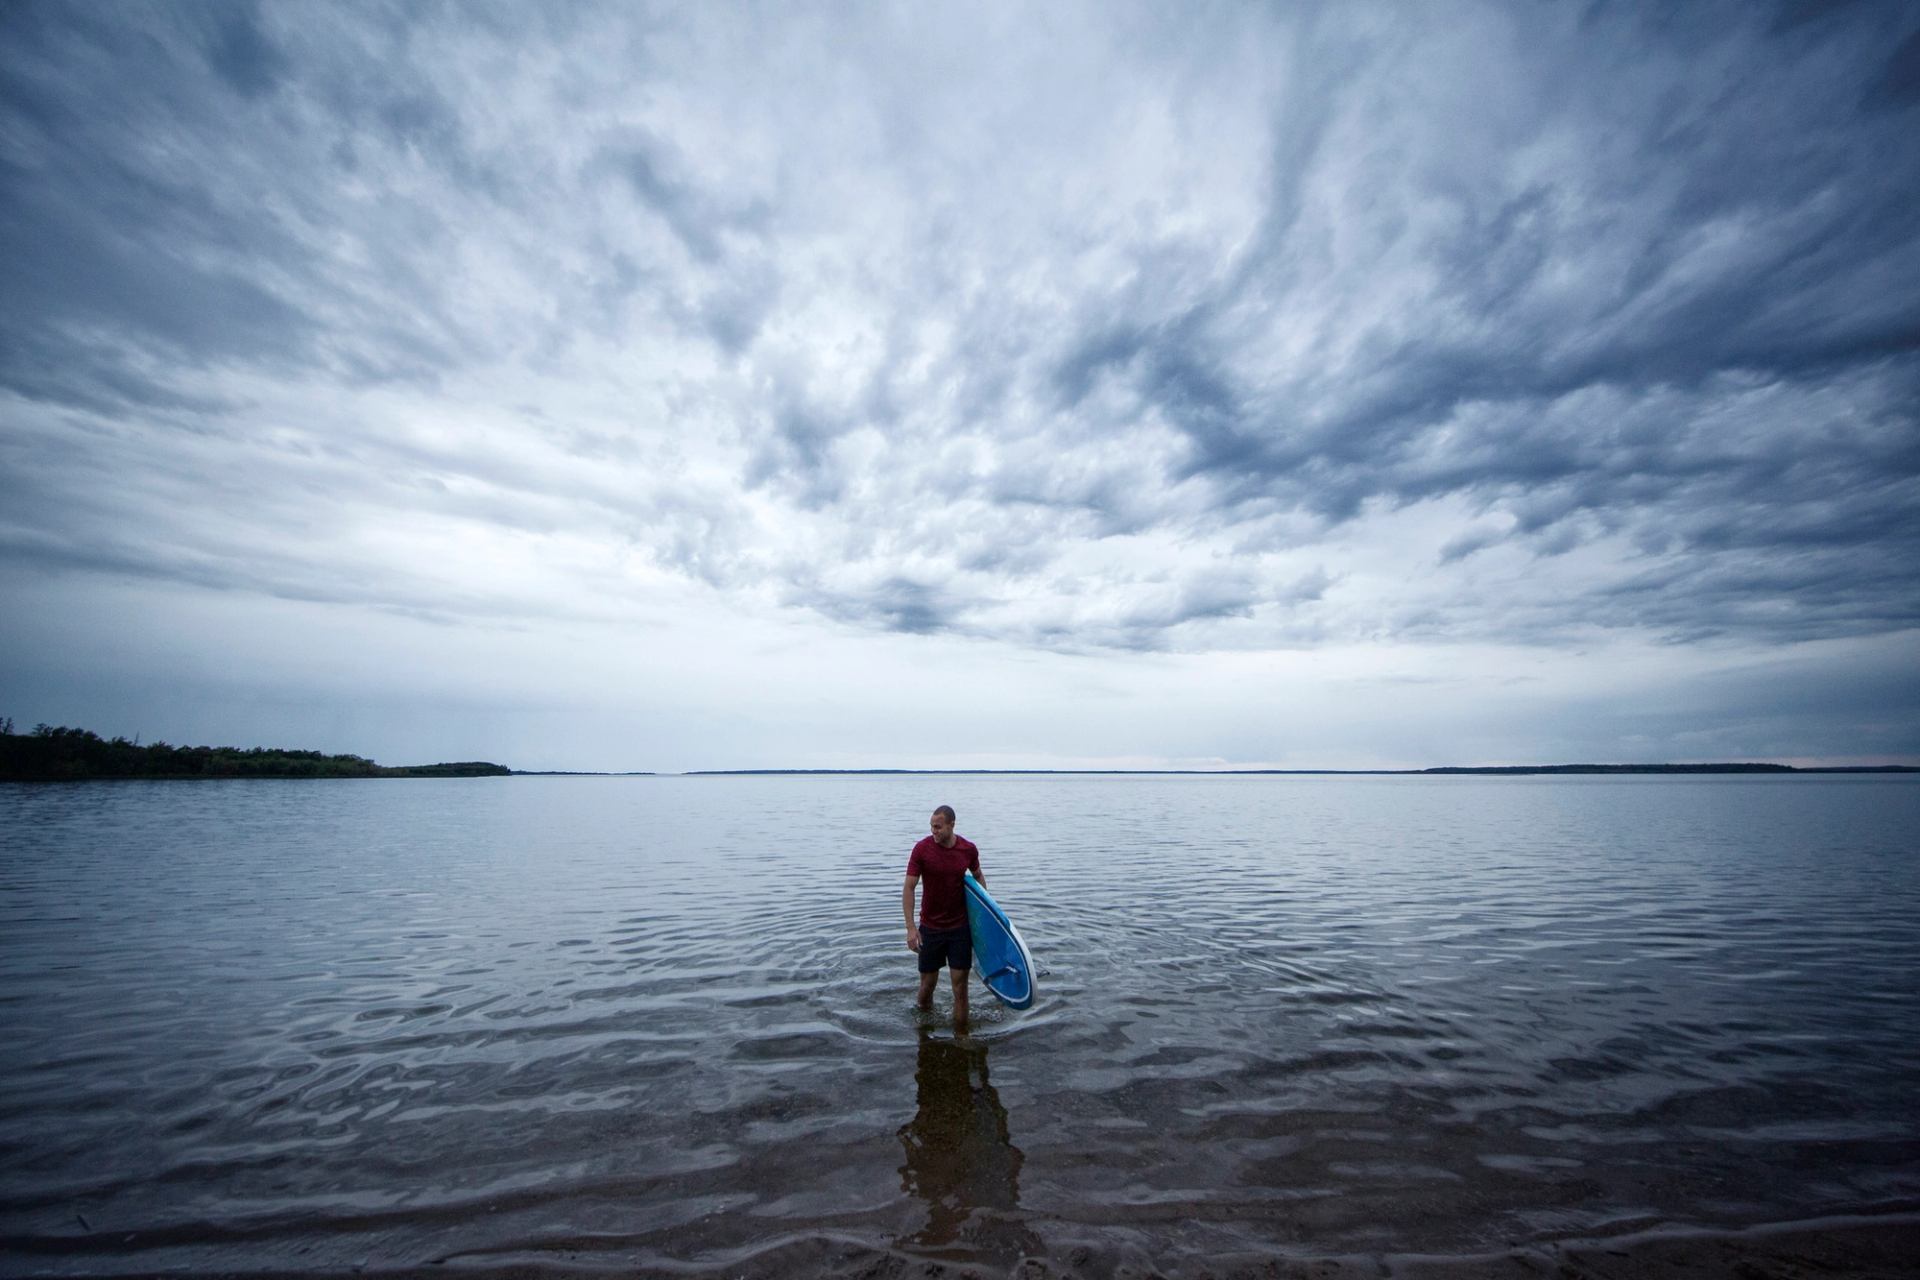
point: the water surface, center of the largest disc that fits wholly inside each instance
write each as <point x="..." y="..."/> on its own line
<point x="667" y="1022"/>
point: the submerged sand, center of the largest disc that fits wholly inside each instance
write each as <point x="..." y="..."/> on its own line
<point x="1879" y="1247"/>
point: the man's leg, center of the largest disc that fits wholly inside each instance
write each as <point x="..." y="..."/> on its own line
<point x="959" y="998"/>
<point x="927" y="983"/>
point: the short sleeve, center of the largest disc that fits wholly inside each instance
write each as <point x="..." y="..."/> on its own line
<point x="913" y="862"/>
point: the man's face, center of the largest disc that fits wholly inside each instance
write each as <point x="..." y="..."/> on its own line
<point x="942" y="828"/>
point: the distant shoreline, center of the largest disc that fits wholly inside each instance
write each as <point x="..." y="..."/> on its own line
<point x="583" y="773"/>
<point x="60" y="754"/>
<point x="1437" y="771"/>
<point x="55" y="753"/>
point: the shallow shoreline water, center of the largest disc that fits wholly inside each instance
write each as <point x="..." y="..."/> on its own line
<point x="1877" y="1247"/>
<point x="1285" y="1026"/>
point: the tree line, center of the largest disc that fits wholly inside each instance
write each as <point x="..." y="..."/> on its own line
<point x="55" y="753"/>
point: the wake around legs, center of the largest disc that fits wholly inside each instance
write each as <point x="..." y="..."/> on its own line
<point x="941" y="939"/>
<point x="928" y="981"/>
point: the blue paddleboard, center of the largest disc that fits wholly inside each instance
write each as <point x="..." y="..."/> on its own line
<point x="1000" y="955"/>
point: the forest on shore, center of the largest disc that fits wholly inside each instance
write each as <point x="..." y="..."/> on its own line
<point x="55" y="753"/>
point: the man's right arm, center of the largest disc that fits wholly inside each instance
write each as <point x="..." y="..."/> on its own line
<point x="906" y="909"/>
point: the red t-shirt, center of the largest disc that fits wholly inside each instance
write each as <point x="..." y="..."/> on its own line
<point x="943" y="898"/>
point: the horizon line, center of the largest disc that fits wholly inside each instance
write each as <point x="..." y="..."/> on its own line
<point x="1768" y="767"/>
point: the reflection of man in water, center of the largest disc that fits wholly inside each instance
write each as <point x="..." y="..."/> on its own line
<point x="959" y="1155"/>
<point x="941" y="938"/>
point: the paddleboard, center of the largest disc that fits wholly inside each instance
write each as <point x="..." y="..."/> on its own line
<point x="1000" y="955"/>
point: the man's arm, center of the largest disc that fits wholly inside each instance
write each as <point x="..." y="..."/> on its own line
<point x="906" y="909"/>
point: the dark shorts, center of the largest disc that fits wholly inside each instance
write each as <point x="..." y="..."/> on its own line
<point x="952" y="948"/>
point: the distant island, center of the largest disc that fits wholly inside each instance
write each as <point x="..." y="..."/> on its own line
<point x="55" y="753"/>
<point x="1675" y="768"/>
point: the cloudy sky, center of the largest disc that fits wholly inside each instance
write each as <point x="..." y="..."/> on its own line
<point x="726" y="386"/>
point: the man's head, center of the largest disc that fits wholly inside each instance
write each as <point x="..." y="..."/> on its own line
<point x="941" y="824"/>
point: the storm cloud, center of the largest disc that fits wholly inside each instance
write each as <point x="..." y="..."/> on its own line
<point x="1103" y="330"/>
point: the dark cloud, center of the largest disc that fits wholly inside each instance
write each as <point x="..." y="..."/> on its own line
<point x="795" y="453"/>
<point x="1627" y="299"/>
<point x="734" y="311"/>
<point x="676" y="202"/>
<point x="1897" y="87"/>
<point x="1465" y="544"/>
<point x="1745" y="225"/>
<point x="243" y="55"/>
<point x="895" y="604"/>
<point x="104" y="253"/>
<point x="1788" y="597"/>
<point x="700" y="221"/>
<point x="152" y="226"/>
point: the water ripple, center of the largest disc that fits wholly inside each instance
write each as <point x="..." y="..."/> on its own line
<point x="666" y="1022"/>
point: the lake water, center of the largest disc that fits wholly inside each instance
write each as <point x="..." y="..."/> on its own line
<point x="665" y="1023"/>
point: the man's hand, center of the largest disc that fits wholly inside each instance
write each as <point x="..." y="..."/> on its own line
<point x="913" y="940"/>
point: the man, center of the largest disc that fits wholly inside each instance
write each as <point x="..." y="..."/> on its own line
<point x="942" y="937"/>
